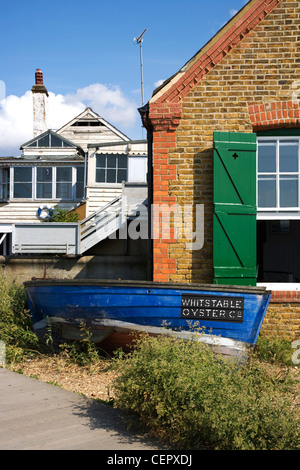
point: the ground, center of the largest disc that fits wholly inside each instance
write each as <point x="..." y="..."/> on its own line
<point x="94" y="381"/>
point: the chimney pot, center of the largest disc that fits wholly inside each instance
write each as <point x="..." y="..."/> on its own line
<point x="38" y="77"/>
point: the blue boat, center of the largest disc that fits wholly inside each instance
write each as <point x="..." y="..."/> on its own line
<point x="227" y="317"/>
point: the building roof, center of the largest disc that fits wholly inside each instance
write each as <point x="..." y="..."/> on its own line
<point x="49" y="131"/>
<point x="227" y="38"/>
<point x="87" y="115"/>
<point x="132" y="147"/>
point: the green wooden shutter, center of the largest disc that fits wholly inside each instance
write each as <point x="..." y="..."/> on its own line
<point x="234" y="230"/>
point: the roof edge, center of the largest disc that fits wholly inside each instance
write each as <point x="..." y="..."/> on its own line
<point x="226" y="39"/>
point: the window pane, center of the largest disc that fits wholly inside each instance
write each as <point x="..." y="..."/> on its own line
<point x="100" y="176"/>
<point x="267" y="157"/>
<point x="111" y="161"/>
<point x="22" y="190"/>
<point x="101" y="161"/>
<point x="266" y="191"/>
<point x="79" y="190"/>
<point x="122" y="175"/>
<point x="22" y="174"/>
<point x="288" y="156"/>
<point x="64" y="182"/>
<point x="44" y="175"/>
<point x="80" y="174"/>
<point x="79" y="182"/>
<point x="55" y="141"/>
<point x="44" y="142"/>
<point x="64" y="174"/>
<point x="44" y="190"/>
<point x="122" y="162"/>
<point x="65" y="144"/>
<point x="4" y="186"/>
<point x="22" y="182"/>
<point x="64" y="190"/>
<point x="111" y="176"/>
<point x="288" y="191"/>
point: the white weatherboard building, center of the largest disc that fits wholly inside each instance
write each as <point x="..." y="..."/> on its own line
<point x="87" y="165"/>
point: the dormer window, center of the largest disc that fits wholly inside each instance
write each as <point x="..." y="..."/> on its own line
<point x="87" y="124"/>
<point x="49" y="140"/>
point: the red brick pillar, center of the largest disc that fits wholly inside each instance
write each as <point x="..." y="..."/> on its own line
<point x="164" y="118"/>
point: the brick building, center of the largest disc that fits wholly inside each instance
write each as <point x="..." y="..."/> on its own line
<point x="224" y="135"/>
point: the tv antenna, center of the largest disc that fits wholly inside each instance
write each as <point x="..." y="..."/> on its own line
<point x="139" y="40"/>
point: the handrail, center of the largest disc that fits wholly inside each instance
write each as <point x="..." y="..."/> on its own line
<point x="82" y="222"/>
<point x="101" y="222"/>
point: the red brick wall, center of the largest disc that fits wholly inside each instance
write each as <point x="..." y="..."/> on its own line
<point x="275" y="114"/>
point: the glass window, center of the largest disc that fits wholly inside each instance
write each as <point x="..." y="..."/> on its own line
<point x="278" y="173"/>
<point x="34" y="144"/>
<point x="64" y="182"/>
<point x="122" y="168"/>
<point x="44" y="183"/>
<point x="66" y="144"/>
<point x="288" y="191"/>
<point x="44" y="141"/>
<point x="79" y="182"/>
<point x="55" y="141"/>
<point x="266" y="191"/>
<point x="111" y="168"/>
<point x="288" y="156"/>
<point x="4" y="183"/>
<point x="267" y="157"/>
<point x="23" y="182"/>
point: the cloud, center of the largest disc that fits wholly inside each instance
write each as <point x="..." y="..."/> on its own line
<point x="16" y="114"/>
<point x="158" y="83"/>
<point x="233" y="12"/>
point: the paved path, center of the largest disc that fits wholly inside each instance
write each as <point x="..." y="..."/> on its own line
<point x="40" y="416"/>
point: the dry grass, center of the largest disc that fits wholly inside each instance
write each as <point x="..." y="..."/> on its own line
<point x="94" y="380"/>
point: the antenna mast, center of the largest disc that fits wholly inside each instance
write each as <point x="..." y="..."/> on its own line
<point x="139" y="40"/>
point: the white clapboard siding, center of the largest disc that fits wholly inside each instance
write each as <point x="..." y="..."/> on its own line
<point x="25" y="211"/>
<point x="98" y="197"/>
<point x="90" y="135"/>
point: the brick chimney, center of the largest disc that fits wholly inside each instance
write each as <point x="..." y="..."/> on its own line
<point x="40" y="95"/>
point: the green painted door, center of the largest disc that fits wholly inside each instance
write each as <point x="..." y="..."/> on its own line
<point x="234" y="229"/>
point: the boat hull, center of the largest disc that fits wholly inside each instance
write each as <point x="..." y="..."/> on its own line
<point x="113" y="309"/>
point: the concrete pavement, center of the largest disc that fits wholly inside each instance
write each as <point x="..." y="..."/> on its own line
<point x="38" y="416"/>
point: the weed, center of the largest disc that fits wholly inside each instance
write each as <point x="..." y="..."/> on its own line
<point x="82" y="352"/>
<point x="15" y="321"/>
<point x="193" y="397"/>
<point x="274" y="350"/>
<point x="62" y="215"/>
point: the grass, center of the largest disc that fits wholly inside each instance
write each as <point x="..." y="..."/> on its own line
<point x="182" y="391"/>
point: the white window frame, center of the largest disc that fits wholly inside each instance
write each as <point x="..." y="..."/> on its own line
<point x="54" y="180"/>
<point x="4" y="184"/>
<point x="115" y="184"/>
<point x="278" y="212"/>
